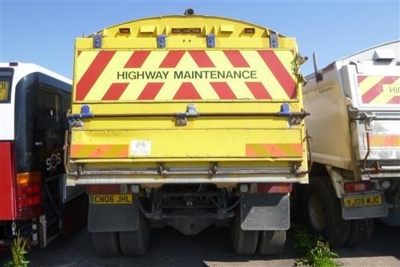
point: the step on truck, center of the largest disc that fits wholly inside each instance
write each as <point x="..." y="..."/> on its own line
<point x="187" y="121"/>
<point x="354" y="131"/>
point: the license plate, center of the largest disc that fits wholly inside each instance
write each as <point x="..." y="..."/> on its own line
<point x="111" y="199"/>
<point x="362" y="201"/>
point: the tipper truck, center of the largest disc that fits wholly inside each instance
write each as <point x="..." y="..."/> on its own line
<point x="354" y="130"/>
<point x="187" y="121"/>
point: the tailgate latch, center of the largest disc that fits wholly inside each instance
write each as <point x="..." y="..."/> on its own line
<point x="76" y="120"/>
<point x="367" y="117"/>
<point x="181" y="118"/>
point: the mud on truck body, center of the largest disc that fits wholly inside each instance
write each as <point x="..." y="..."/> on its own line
<point x="354" y="131"/>
<point x="187" y="121"/>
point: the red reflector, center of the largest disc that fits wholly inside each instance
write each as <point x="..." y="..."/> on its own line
<point x="274" y="188"/>
<point x="29" y="195"/>
<point x="357" y="187"/>
<point x="249" y="30"/>
<point x="30" y="212"/>
<point x="29" y="201"/>
<point x="124" y="30"/>
<point x="29" y="190"/>
<point x="102" y="189"/>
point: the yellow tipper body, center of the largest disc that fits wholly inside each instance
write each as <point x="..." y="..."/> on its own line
<point x="187" y="99"/>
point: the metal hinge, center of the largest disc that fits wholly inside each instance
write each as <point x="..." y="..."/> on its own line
<point x="368" y="118"/>
<point x="355" y="114"/>
<point x="181" y="118"/>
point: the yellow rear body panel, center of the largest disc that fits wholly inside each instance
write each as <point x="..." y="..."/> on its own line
<point x="187" y="93"/>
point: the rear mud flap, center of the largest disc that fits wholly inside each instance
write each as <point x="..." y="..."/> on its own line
<point x="393" y="218"/>
<point x="113" y="218"/>
<point x="265" y="212"/>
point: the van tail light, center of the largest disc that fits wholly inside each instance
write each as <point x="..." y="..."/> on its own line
<point x="354" y="187"/>
<point x="29" y="188"/>
<point x="274" y="188"/>
<point x="28" y="178"/>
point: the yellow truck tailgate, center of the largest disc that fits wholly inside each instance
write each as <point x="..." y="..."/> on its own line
<point x="220" y="92"/>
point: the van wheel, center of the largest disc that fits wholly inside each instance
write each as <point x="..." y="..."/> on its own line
<point x="135" y="243"/>
<point x="106" y="244"/>
<point x="323" y="212"/>
<point x="243" y="242"/>
<point x="360" y="232"/>
<point x="272" y="242"/>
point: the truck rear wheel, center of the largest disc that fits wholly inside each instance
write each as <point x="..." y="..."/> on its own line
<point x="272" y="242"/>
<point x="244" y="242"/>
<point x="106" y="244"/>
<point x="323" y="212"/>
<point x="135" y="243"/>
<point x="360" y="232"/>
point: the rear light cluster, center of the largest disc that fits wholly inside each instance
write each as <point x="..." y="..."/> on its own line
<point x="275" y="188"/>
<point x="29" y="195"/>
<point x="266" y="188"/>
<point x="354" y="187"/>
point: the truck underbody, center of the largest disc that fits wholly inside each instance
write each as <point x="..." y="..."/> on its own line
<point x="254" y="215"/>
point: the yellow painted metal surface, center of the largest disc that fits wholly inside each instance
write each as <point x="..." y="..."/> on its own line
<point x="148" y="75"/>
<point x="141" y="96"/>
<point x="199" y="144"/>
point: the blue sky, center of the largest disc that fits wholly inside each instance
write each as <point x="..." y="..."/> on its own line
<point x="44" y="31"/>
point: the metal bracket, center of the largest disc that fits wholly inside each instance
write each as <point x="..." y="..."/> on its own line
<point x="210" y="41"/>
<point x="181" y="118"/>
<point x="295" y="118"/>
<point x="273" y="40"/>
<point x="368" y="118"/>
<point x="76" y="119"/>
<point x="162" y="170"/>
<point x="97" y="41"/>
<point x="355" y="114"/>
<point x="161" y="41"/>
<point x="212" y="172"/>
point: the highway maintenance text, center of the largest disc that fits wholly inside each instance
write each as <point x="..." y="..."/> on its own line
<point x="203" y="74"/>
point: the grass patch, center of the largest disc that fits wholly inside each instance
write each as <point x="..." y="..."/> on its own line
<point x="19" y="248"/>
<point x="314" y="251"/>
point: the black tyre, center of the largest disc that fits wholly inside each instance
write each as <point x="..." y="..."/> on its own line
<point x="271" y="242"/>
<point x="323" y="212"/>
<point x="296" y="204"/>
<point x="243" y="242"/>
<point x="135" y="243"/>
<point x="106" y="244"/>
<point x="360" y="232"/>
